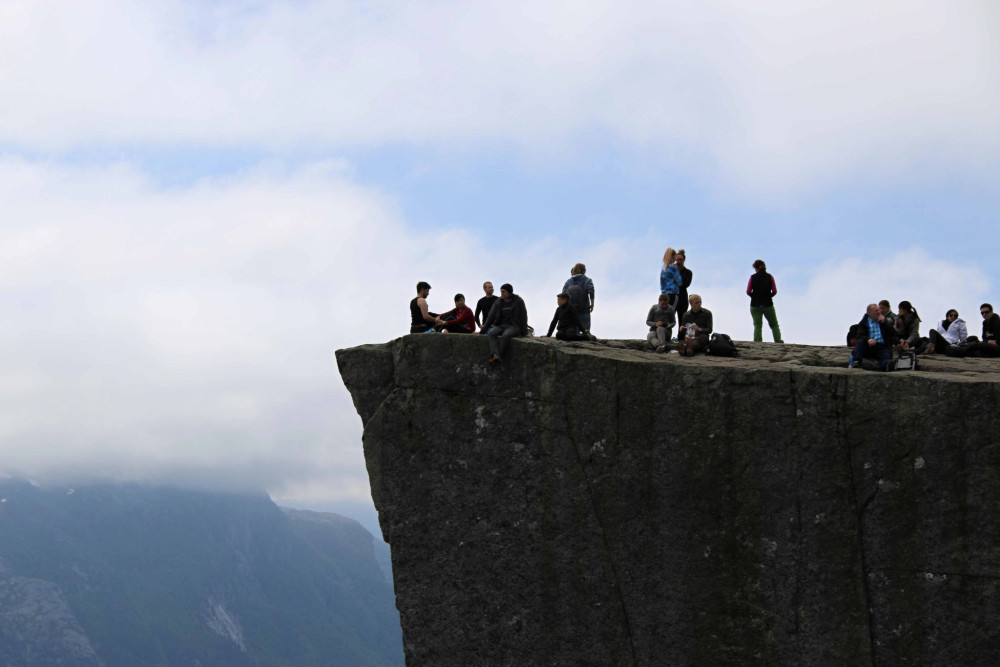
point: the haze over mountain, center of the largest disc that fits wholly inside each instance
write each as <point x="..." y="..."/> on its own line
<point x="119" y="575"/>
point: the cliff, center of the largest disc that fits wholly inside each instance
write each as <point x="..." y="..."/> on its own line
<point x="598" y="504"/>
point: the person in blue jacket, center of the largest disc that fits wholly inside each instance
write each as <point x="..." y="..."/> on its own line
<point x="670" y="277"/>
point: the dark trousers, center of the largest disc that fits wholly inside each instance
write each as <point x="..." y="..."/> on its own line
<point x="982" y="349"/>
<point x="570" y="334"/>
<point x="455" y="328"/>
<point x="881" y="351"/>
<point x="500" y="336"/>
<point x="937" y="341"/>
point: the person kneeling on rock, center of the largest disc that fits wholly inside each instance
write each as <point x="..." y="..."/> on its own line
<point x="568" y="321"/>
<point x="508" y="318"/>
<point x="695" y="329"/>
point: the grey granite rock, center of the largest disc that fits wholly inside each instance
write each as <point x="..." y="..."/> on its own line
<point x="600" y="504"/>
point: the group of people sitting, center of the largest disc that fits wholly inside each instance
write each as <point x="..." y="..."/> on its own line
<point x="694" y="332"/>
<point x="505" y="317"/>
<point x="880" y="331"/>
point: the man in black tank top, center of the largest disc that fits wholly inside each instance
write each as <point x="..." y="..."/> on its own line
<point x="420" y="318"/>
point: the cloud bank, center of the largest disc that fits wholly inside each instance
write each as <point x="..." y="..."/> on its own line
<point x="784" y="97"/>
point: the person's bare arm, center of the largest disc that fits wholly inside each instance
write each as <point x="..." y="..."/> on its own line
<point x="422" y="304"/>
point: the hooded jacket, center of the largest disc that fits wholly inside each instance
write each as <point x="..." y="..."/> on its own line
<point x="519" y="314"/>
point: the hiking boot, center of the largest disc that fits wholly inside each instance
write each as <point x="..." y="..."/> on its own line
<point x="661" y="349"/>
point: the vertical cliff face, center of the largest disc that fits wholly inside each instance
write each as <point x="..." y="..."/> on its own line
<point x="599" y="504"/>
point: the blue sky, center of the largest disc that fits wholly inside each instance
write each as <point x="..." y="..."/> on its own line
<point x="199" y="202"/>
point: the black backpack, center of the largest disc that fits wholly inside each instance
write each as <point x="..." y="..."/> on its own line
<point x="852" y="332"/>
<point x="721" y="345"/>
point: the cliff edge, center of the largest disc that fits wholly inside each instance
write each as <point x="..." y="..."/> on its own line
<point x="599" y="504"/>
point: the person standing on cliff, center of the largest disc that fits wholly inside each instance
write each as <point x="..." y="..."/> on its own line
<point x="508" y="318"/>
<point x="422" y="320"/>
<point x="670" y="276"/>
<point x="761" y="290"/>
<point x="483" y="305"/>
<point x="580" y="289"/>
<point x="681" y="306"/>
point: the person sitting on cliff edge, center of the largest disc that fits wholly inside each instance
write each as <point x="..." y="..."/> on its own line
<point x="885" y="309"/>
<point x="875" y="338"/>
<point x="568" y="320"/>
<point x="459" y="319"/>
<point x="660" y="321"/>
<point x="421" y="319"/>
<point x="508" y="318"/>
<point x="989" y="346"/>
<point x="484" y="305"/>
<point x="695" y="328"/>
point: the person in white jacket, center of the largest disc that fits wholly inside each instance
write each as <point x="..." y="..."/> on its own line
<point x="949" y="331"/>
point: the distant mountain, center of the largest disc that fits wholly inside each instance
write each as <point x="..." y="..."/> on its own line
<point x="132" y="575"/>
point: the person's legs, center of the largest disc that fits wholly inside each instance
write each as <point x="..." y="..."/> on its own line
<point x="772" y="321"/>
<point x="938" y="342"/>
<point x="860" y="350"/>
<point x="756" y="312"/>
<point x="653" y="339"/>
<point x="663" y="335"/>
<point x="884" y="355"/>
<point x="494" y="333"/>
<point x="584" y="319"/>
<point x="699" y="343"/>
<point x="680" y="308"/>
<point x="572" y="335"/>
<point x="982" y="349"/>
<point x="505" y="336"/>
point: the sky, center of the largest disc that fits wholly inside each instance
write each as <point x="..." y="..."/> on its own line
<point x="201" y="201"/>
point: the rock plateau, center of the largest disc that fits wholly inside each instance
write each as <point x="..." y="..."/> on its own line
<point x="599" y="504"/>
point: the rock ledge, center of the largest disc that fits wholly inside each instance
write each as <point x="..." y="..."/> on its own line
<point x="596" y="503"/>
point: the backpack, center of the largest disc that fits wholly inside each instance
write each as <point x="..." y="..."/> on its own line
<point x="907" y="361"/>
<point x="577" y="297"/>
<point x="852" y="333"/>
<point x="721" y="345"/>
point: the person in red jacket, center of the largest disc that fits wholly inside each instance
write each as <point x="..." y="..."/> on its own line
<point x="459" y="319"/>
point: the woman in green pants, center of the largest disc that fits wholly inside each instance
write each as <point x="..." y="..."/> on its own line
<point x="761" y="290"/>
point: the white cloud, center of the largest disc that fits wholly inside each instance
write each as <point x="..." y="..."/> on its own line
<point x="790" y="95"/>
<point x="189" y="334"/>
